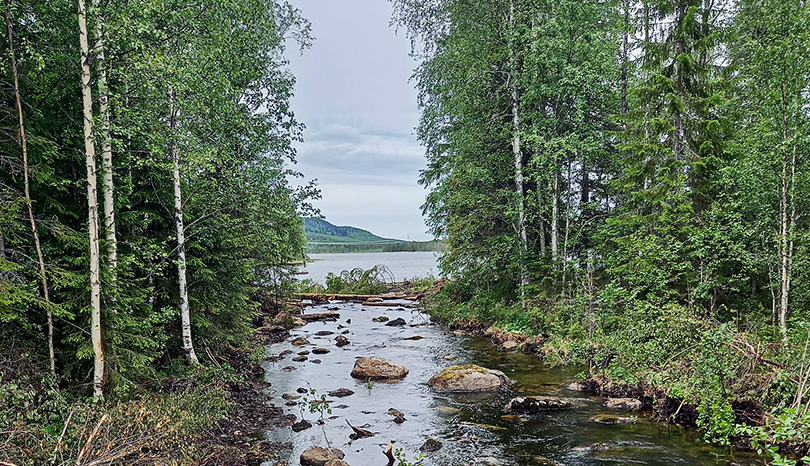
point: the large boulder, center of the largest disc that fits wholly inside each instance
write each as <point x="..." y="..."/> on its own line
<point x="467" y="379"/>
<point x="319" y="456"/>
<point x="537" y="404"/>
<point x="374" y="368"/>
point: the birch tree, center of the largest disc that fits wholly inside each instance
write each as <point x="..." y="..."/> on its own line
<point x="92" y="207"/>
<point x="106" y="143"/>
<point x="182" y="265"/>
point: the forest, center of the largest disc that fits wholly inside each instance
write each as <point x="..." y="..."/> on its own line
<point x="628" y="181"/>
<point x="146" y="191"/>
<point x="624" y="182"/>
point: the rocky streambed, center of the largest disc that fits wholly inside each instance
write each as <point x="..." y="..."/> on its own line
<point x="493" y="407"/>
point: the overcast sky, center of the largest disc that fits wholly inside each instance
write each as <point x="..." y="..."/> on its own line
<point x="354" y="95"/>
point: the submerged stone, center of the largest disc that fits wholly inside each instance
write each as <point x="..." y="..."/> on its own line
<point x="537" y="404"/>
<point x="608" y="420"/>
<point x="342" y="341"/>
<point x="431" y="445"/>
<point x="341" y="392"/>
<point x="509" y="345"/>
<point x="301" y="425"/>
<point x="398" y="322"/>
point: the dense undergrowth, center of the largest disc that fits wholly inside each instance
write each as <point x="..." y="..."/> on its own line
<point x="181" y="417"/>
<point x="746" y="384"/>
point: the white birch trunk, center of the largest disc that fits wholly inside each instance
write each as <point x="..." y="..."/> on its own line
<point x="567" y="225"/>
<point x="783" y="230"/>
<point x="516" y="149"/>
<point x="106" y="152"/>
<point x="555" y="213"/>
<point x="185" y="316"/>
<point x="92" y="208"/>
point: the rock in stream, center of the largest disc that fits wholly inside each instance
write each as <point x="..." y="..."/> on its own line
<point x="467" y="379"/>
<point x="375" y="368"/>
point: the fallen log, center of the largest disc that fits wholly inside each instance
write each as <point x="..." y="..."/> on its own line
<point x="351" y="297"/>
<point x="319" y="316"/>
<point x="405" y="305"/>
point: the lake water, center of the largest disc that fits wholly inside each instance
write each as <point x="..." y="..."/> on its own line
<point x="403" y="265"/>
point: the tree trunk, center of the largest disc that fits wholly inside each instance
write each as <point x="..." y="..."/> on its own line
<point x="185" y="316"/>
<point x="584" y="201"/>
<point x="625" y="42"/>
<point x="92" y="207"/>
<point x="27" y="189"/>
<point x="106" y="152"/>
<point x="783" y="224"/>
<point x="555" y="213"/>
<point x="541" y="209"/>
<point x="677" y="148"/>
<point x="567" y="224"/>
<point x="516" y="149"/>
<point x="542" y="238"/>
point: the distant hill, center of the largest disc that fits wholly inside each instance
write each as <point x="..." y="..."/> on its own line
<point x="324" y="237"/>
<point x="319" y="230"/>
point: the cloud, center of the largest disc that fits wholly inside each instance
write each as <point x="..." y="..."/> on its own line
<point x="360" y="110"/>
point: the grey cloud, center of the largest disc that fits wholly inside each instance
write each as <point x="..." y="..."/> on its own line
<point x="354" y="95"/>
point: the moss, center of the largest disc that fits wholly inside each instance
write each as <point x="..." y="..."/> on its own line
<point x="456" y="372"/>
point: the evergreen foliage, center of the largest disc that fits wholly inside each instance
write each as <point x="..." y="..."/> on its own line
<point x="207" y="79"/>
<point x="664" y="157"/>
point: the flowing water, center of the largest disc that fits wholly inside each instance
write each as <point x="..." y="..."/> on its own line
<point x="472" y="428"/>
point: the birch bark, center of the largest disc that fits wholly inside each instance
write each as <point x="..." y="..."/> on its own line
<point x="92" y="207"/>
<point x="185" y="316"/>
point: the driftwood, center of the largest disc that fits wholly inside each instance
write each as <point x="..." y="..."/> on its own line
<point x="358" y="432"/>
<point x="319" y="316"/>
<point x="322" y="297"/>
<point x="407" y="305"/>
<point x="389" y="453"/>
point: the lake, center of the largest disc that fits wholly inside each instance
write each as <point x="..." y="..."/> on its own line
<point x="403" y="265"/>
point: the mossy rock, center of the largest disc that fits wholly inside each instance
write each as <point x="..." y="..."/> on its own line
<point x="467" y="378"/>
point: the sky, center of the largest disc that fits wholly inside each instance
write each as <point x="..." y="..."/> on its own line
<point x="354" y="95"/>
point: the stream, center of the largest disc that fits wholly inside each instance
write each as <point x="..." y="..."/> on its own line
<point x="472" y="428"/>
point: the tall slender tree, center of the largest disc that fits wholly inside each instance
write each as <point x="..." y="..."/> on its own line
<point x="34" y="231"/>
<point x="92" y="206"/>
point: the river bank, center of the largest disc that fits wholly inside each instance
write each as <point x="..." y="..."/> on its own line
<point x="757" y="431"/>
<point x="201" y="416"/>
<point x="471" y="427"/>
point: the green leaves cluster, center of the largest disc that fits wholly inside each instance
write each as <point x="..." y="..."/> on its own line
<point x="664" y="153"/>
<point x="220" y="66"/>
